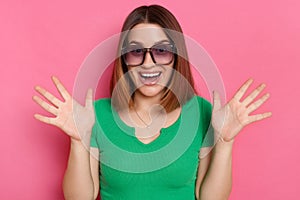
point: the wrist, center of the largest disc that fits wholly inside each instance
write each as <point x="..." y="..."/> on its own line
<point x="223" y="141"/>
<point x="223" y="136"/>
<point x="75" y="141"/>
<point x="82" y="138"/>
<point x="224" y="148"/>
<point x="79" y="146"/>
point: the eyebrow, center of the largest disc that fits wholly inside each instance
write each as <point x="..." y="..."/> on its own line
<point x="159" y="42"/>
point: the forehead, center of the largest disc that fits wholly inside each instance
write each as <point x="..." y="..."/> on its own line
<point x="147" y="34"/>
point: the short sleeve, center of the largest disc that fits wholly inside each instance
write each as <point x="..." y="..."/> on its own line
<point x="95" y="131"/>
<point x="96" y="128"/>
<point x="207" y="130"/>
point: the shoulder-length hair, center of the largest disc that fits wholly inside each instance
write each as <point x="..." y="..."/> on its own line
<point x="179" y="91"/>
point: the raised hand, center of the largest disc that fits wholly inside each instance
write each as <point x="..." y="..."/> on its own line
<point x="71" y="117"/>
<point x="230" y="119"/>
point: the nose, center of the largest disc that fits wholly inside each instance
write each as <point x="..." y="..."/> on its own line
<point x="148" y="60"/>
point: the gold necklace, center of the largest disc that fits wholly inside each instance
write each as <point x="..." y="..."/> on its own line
<point x="147" y="125"/>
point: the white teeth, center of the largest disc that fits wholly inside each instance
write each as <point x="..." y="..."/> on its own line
<point x="150" y="75"/>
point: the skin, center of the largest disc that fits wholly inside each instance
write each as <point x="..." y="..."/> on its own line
<point x="214" y="179"/>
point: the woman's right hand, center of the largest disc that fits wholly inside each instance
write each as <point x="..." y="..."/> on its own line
<point x="71" y="117"/>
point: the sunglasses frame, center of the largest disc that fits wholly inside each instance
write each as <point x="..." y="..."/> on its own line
<point x="145" y="50"/>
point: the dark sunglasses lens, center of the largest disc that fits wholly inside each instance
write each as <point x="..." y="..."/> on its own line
<point x="163" y="54"/>
<point x="133" y="56"/>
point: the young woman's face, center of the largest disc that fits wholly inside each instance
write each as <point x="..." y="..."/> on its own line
<point x="149" y="73"/>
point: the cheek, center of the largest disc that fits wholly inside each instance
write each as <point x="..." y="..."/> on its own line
<point x="132" y="73"/>
<point x="168" y="73"/>
<point x="167" y="76"/>
<point x="134" y="78"/>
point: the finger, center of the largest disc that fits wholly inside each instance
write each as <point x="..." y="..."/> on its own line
<point x="217" y="101"/>
<point x="258" y="103"/>
<point x="254" y="94"/>
<point x="240" y="93"/>
<point x="62" y="90"/>
<point x="47" y="120"/>
<point x="259" y="117"/>
<point x="51" y="109"/>
<point x="89" y="99"/>
<point x="48" y="96"/>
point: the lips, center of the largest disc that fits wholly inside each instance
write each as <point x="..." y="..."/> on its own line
<point x="149" y="78"/>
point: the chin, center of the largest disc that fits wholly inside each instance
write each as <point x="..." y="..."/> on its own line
<point x="151" y="91"/>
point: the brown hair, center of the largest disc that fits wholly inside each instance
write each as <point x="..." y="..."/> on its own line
<point x="154" y="14"/>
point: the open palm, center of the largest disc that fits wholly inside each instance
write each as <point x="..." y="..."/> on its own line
<point x="230" y="119"/>
<point x="74" y="119"/>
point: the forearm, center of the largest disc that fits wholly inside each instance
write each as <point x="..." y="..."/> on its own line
<point x="218" y="180"/>
<point x="78" y="183"/>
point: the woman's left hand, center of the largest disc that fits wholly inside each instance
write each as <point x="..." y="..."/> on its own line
<point x="230" y="119"/>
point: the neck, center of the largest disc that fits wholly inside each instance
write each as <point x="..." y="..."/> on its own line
<point x="142" y="102"/>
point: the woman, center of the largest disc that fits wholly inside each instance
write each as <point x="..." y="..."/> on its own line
<point x="152" y="93"/>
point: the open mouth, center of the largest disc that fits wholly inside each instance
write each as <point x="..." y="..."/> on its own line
<point x="149" y="78"/>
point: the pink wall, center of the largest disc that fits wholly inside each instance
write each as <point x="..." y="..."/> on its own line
<point x="258" y="39"/>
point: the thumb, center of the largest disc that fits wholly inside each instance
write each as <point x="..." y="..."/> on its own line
<point x="217" y="100"/>
<point x="89" y="99"/>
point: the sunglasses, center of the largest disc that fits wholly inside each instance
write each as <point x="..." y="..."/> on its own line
<point x="161" y="54"/>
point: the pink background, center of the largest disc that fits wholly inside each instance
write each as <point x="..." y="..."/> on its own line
<point x="258" y="39"/>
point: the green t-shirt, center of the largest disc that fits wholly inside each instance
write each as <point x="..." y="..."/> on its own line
<point x="164" y="169"/>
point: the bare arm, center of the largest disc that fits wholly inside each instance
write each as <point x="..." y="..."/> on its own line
<point x="81" y="180"/>
<point x="94" y="161"/>
<point x="228" y="121"/>
<point x="78" y="182"/>
<point x="218" y="180"/>
<point x="202" y="171"/>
